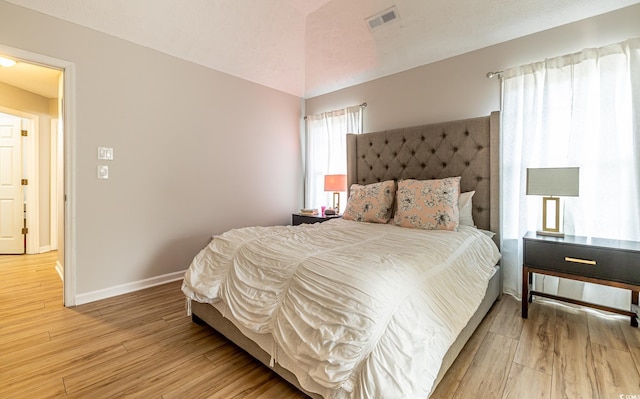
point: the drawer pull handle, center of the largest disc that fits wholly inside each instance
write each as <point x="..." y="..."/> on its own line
<point x="577" y="260"/>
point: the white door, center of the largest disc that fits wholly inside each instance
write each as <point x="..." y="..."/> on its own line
<point x="11" y="200"/>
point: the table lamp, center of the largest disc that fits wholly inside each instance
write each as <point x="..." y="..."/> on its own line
<point x="552" y="183"/>
<point x="337" y="184"/>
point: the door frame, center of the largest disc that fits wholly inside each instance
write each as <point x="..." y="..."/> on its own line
<point x="68" y="111"/>
<point x="32" y="192"/>
<point x="53" y="189"/>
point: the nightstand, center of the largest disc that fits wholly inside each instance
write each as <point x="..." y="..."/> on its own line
<point x="297" y="218"/>
<point x="614" y="263"/>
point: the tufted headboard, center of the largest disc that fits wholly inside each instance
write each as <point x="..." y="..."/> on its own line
<point x="467" y="148"/>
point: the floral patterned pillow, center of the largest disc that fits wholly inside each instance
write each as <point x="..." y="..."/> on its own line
<point x="428" y="204"/>
<point x="371" y="203"/>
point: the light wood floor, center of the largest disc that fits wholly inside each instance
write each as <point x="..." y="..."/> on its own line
<point x="142" y="345"/>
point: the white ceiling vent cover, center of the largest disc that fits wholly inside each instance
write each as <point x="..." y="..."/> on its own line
<point x="384" y="17"/>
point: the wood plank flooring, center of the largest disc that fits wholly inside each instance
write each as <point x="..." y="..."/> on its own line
<point x="142" y="345"/>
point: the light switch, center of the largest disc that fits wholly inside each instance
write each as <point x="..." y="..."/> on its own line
<point x="103" y="172"/>
<point x="105" y="153"/>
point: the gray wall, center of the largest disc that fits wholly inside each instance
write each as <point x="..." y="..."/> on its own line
<point x="196" y="151"/>
<point x="457" y="88"/>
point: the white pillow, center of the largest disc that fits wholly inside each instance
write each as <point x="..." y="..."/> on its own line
<point x="488" y="233"/>
<point x="465" y="206"/>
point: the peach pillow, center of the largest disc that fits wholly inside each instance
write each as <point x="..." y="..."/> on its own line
<point x="428" y="204"/>
<point x="371" y="203"/>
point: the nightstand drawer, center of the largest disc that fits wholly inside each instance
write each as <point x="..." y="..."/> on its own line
<point x="297" y="218"/>
<point x="586" y="261"/>
<point x="614" y="263"/>
<point x="300" y="219"/>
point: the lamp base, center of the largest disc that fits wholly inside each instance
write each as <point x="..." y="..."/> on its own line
<point x="336" y="202"/>
<point x="550" y="233"/>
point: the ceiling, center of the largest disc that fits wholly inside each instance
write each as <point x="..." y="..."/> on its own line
<point x="33" y="78"/>
<point x="311" y="47"/>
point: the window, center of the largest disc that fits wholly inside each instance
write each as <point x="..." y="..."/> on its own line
<point x="579" y="110"/>
<point x="326" y="150"/>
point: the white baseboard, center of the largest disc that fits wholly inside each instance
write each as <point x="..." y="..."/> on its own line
<point x="46" y="248"/>
<point x="128" y="287"/>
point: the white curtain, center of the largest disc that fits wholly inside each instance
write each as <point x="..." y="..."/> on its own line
<point x="326" y="150"/>
<point x="579" y="110"/>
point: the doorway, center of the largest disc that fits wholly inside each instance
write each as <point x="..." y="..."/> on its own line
<point x="29" y="115"/>
<point x="56" y="150"/>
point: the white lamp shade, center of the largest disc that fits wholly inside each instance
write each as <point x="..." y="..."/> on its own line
<point x="559" y="182"/>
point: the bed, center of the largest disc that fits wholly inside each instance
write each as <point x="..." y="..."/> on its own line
<point x="292" y="315"/>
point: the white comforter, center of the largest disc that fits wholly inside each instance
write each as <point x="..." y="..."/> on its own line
<point x="366" y="310"/>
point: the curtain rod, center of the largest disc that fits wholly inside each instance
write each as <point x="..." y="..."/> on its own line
<point x="491" y="75"/>
<point x="363" y="105"/>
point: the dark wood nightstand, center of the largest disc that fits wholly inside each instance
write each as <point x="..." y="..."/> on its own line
<point x="297" y="218"/>
<point x="595" y="260"/>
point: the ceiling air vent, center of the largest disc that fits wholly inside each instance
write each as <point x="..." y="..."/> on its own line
<point x="386" y="16"/>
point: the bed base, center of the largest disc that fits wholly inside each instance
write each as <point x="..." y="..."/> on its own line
<point x="207" y="314"/>
<point x="202" y="313"/>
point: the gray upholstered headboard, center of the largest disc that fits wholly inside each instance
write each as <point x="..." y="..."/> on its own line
<point x="467" y="148"/>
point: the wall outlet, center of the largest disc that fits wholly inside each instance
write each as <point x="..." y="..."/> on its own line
<point x="103" y="172"/>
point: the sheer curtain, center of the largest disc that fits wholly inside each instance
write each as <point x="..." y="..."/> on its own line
<point x="579" y="110"/>
<point x="326" y="150"/>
